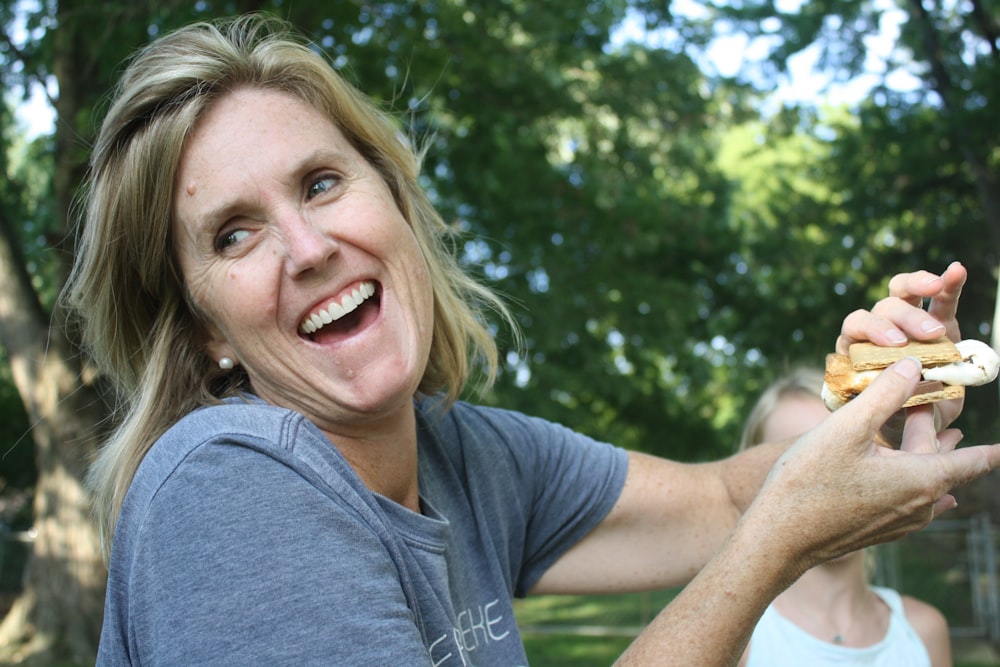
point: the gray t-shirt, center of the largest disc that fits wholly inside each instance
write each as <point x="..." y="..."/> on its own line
<point x="247" y="539"/>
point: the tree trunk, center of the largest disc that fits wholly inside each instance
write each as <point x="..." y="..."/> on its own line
<point x="57" y="618"/>
<point x="58" y="615"/>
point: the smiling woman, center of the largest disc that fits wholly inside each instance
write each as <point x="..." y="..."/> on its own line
<point x="293" y="479"/>
<point x="307" y="228"/>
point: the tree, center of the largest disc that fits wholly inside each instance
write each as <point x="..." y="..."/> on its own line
<point x="911" y="171"/>
<point x="667" y="247"/>
<point x="481" y="56"/>
<point x="58" y="615"/>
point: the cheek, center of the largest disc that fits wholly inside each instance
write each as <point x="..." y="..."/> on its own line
<point x="421" y="292"/>
<point x="230" y="297"/>
<point x="245" y="294"/>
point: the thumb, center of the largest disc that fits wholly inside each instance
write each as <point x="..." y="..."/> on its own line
<point x="885" y="396"/>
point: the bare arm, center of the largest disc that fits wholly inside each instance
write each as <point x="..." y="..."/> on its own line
<point x="674" y="517"/>
<point x="833" y="492"/>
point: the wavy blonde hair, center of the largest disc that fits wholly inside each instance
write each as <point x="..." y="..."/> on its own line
<point x="136" y="319"/>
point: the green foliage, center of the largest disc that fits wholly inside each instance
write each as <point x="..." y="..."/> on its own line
<point x="907" y="179"/>
<point x="667" y="247"/>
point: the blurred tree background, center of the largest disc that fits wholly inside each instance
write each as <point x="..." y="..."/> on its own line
<point x="672" y="234"/>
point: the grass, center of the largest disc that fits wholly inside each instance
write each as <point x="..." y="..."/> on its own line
<point x="576" y="651"/>
<point x="605" y="626"/>
<point x="602" y="627"/>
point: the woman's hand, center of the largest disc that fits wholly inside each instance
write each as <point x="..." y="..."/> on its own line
<point x="836" y="491"/>
<point x="901" y="317"/>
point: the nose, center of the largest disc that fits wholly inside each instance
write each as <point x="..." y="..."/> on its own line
<point x="307" y="246"/>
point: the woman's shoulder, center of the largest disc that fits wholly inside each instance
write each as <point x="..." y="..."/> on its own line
<point x="243" y="432"/>
<point x="916" y="611"/>
<point x="244" y="414"/>
<point x="243" y="421"/>
<point x="925" y="618"/>
<point x="494" y="423"/>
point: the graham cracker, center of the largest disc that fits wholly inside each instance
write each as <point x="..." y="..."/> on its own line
<point x="868" y="356"/>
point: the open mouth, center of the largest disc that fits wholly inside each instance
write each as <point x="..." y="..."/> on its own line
<point x="340" y="318"/>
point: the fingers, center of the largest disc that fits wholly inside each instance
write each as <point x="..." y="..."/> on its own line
<point x="948" y="440"/>
<point x="900" y="317"/>
<point x="967" y="463"/>
<point x="962" y="466"/>
<point x="944" y="305"/>
<point x="919" y="434"/>
<point x="947" y="502"/>
<point x="943" y="291"/>
<point x="891" y="323"/>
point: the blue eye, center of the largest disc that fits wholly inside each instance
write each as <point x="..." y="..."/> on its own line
<point x="231" y="238"/>
<point x="321" y="185"/>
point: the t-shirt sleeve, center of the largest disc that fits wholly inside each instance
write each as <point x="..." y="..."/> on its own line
<point x="555" y="484"/>
<point x="575" y="482"/>
<point x="241" y="561"/>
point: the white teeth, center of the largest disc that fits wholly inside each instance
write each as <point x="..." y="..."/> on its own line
<point x="335" y="311"/>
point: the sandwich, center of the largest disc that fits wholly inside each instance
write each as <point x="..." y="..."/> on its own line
<point x="948" y="368"/>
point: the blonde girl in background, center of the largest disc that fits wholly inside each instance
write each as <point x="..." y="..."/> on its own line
<point x="832" y="615"/>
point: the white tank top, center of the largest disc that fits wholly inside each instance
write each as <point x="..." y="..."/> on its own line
<point x="777" y="642"/>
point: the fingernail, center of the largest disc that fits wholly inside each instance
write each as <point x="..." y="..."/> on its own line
<point x="908" y="367"/>
<point x="895" y="336"/>
<point x="930" y="326"/>
<point x="931" y="281"/>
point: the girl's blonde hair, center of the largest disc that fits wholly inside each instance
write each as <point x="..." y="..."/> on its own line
<point x="136" y="319"/>
<point x="799" y="382"/>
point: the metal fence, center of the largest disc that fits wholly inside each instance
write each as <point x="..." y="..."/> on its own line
<point x="960" y="560"/>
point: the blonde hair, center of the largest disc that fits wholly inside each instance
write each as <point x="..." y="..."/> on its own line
<point x="799" y="382"/>
<point x="136" y="319"/>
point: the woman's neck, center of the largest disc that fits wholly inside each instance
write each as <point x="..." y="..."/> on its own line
<point x="834" y="603"/>
<point x="384" y="456"/>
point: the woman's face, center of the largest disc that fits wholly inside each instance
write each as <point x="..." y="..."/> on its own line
<point x="302" y="265"/>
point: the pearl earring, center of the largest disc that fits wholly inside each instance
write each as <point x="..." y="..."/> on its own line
<point x="226" y="364"/>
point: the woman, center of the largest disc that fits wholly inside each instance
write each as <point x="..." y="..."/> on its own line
<point x="831" y="615"/>
<point x="293" y="481"/>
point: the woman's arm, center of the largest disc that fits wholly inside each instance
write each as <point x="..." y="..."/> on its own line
<point x="674" y="517"/>
<point x="833" y="492"/>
